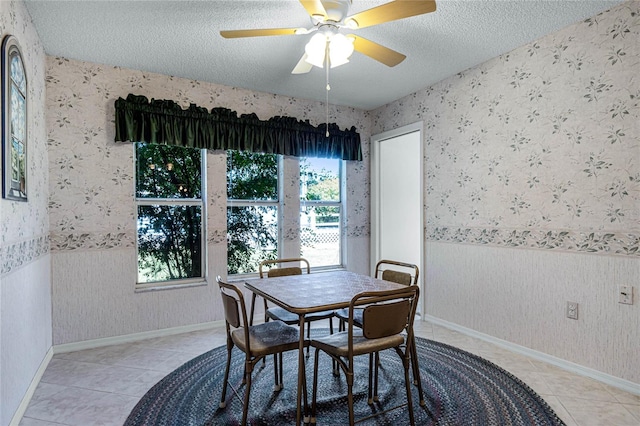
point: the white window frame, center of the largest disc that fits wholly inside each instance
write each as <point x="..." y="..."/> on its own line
<point x="322" y="203"/>
<point x="202" y="202"/>
<point x="277" y="203"/>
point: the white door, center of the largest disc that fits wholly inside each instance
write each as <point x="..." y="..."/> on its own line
<point x="397" y="196"/>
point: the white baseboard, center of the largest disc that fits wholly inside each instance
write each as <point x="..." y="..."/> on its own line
<point x="608" y="379"/>
<point x="128" y="338"/>
<point x="22" y="408"/>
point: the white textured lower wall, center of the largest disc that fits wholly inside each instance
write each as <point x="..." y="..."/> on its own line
<point x="1" y="361"/>
<point x="519" y="295"/>
<point x="94" y="297"/>
<point x="25" y="322"/>
<point x="93" y="294"/>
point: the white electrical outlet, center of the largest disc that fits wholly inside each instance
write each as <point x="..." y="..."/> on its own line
<point x="572" y="310"/>
<point x="625" y="294"/>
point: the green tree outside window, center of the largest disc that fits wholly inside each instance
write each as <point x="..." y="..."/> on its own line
<point x="252" y="224"/>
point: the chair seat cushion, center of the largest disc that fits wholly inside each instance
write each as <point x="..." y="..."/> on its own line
<point x="338" y="343"/>
<point x="278" y="313"/>
<point x="343" y="314"/>
<point x="267" y="338"/>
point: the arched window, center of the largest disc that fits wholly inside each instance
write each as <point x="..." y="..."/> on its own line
<point x="14" y="131"/>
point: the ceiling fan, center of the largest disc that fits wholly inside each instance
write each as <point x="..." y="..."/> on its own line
<point x="332" y="47"/>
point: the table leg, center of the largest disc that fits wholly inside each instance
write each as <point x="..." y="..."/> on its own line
<point x="301" y="377"/>
<point x="253" y="305"/>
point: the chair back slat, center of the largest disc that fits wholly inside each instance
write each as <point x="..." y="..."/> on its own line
<point x="276" y="269"/>
<point x="397" y="276"/>
<point x="385" y="319"/>
<point x="284" y="272"/>
<point x="397" y="272"/>
<point x="231" y="311"/>
<point x="235" y="311"/>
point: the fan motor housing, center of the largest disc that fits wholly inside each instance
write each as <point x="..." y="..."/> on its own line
<point x="336" y="10"/>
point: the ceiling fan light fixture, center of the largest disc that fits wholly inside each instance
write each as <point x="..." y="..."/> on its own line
<point x="340" y="49"/>
<point x="316" y="49"/>
<point x="351" y="23"/>
<point x="336" y="62"/>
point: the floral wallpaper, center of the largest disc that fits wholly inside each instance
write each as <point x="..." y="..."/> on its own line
<point x="540" y="147"/>
<point x="216" y="197"/>
<point x="24" y="227"/>
<point x="91" y="177"/>
<point x="536" y="148"/>
<point x="22" y="253"/>
<point x="25" y="261"/>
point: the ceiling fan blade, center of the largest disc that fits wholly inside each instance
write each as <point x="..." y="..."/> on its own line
<point x="314" y="7"/>
<point x="302" y="66"/>
<point x="391" y="11"/>
<point x="259" y="33"/>
<point x="377" y="51"/>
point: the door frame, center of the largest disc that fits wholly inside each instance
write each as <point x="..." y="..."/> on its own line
<point x="375" y="190"/>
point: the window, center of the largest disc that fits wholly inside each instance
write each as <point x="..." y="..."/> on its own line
<point x="170" y="197"/>
<point x="320" y="211"/>
<point x="14" y="111"/>
<point x="252" y="210"/>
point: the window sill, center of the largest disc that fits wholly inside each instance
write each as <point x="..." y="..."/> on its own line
<point x="328" y="269"/>
<point x="173" y="286"/>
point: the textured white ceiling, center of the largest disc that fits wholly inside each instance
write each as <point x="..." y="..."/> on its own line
<point x="181" y="38"/>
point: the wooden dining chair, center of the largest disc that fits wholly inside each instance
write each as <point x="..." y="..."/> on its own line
<point x="401" y="273"/>
<point x="267" y="268"/>
<point x="278" y="313"/>
<point x="388" y="270"/>
<point x="256" y="341"/>
<point x="386" y="316"/>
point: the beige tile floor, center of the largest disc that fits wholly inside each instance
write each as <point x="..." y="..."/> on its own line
<point x="101" y="386"/>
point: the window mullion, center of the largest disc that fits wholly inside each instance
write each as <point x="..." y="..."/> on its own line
<point x="320" y="203"/>
<point x="244" y="203"/>
<point x="168" y="202"/>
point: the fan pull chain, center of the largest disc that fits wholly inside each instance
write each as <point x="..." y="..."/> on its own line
<point x="326" y="56"/>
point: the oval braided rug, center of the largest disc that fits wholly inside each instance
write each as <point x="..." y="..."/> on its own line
<point x="459" y="389"/>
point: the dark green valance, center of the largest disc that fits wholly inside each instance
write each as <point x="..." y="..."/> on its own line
<point x="165" y="122"/>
